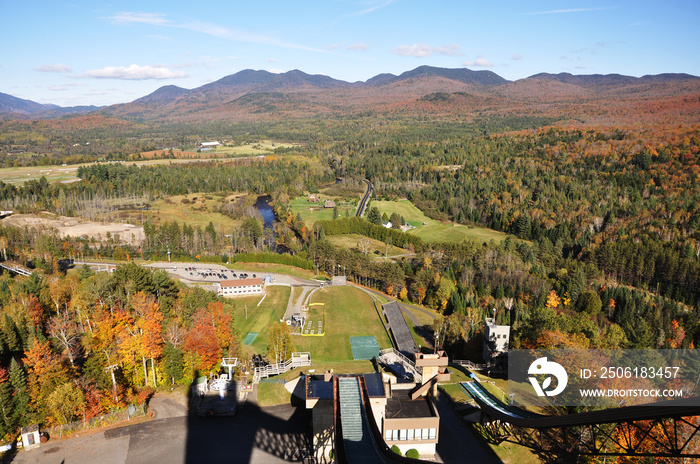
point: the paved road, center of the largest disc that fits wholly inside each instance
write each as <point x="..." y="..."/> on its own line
<point x="456" y="443"/>
<point x="293" y="307"/>
<point x="255" y="435"/>
<point x="363" y="202"/>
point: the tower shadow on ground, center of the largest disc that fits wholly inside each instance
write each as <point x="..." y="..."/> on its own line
<point x="253" y="435"/>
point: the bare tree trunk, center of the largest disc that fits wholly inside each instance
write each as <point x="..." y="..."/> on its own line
<point x="145" y="371"/>
<point x="153" y="371"/>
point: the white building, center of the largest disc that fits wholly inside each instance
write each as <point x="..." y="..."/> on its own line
<point x="240" y="287"/>
<point x="209" y="145"/>
<point x="496" y="340"/>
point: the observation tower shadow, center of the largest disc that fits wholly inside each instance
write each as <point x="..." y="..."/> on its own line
<point x="253" y="435"/>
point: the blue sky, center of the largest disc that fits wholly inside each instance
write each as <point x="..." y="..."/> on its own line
<point x="85" y="52"/>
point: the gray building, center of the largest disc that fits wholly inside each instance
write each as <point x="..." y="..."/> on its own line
<point x="496" y="341"/>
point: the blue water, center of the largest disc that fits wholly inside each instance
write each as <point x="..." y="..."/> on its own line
<point x="265" y="209"/>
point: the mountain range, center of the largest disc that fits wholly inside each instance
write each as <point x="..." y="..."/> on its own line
<point x="251" y="94"/>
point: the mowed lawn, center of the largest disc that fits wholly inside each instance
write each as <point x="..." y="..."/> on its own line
<point x="313" y="212"/>
<point x="431" y="230"/>
<point x="350" y="312"/>
<point x="270" y="311"/>
<point x="376" y="248"/>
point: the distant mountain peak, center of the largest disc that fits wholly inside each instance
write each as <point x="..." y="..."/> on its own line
<point x="164" y="94"/>
<point x="611" y="79"/>
<point x="464" y="75"/>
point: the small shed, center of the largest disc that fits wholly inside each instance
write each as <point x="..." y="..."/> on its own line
<point x="30" y="436"/>
<point x="200" y="386"/>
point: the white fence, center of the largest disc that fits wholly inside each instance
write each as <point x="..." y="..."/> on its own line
<point x="387" y="356"/>
<point x="469" y="364"/>
<point x="297" y="360"/>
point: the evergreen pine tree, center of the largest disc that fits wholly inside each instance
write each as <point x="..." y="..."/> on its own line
<point x="6" y="404"/>
<point x="18" y="380"/>
<point x="11" y="335"/>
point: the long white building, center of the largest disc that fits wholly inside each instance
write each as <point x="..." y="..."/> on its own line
<point x="241" y="287"/>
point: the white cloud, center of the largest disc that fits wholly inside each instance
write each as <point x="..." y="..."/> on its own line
<point x="56" y="68"/>
<point x="275" y="71"/>
<point x="222" y="32"/>
<point x="448" y="50"/>
<point x="423" y="50"/>
<point x="134" y="72"/>
<point x="156" y="19"/>
<point x="417" y="50"/>
<point x="57" y="88"/>
<point x="358" y="47"/>
<point x="571" y="10"/>
<point x="516" y="57"/>
<point x="375" y="7"/>
<point x="480" y="62"/>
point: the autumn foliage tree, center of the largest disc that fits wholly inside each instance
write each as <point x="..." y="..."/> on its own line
<point x="201" y="341"/>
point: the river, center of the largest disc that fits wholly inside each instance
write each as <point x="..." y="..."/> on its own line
<point x="263" y="205"/>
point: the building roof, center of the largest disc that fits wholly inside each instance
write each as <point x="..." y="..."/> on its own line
<point x="241" y="282"/>
<point x="402" y="334"/>
<point x="401" y="406"/>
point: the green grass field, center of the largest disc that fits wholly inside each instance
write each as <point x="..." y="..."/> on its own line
<point x="313" y="212"/>
<point x="349" y="312"/>
<point x="376" y="248"/>
<point x="69" y="173"/>
<point x="196" y="213"/>
<point x="264" y="268"/>
<point x="260" y="318"/>
<point x="272" y="394"/>
<point x="431" y="230"/>
<point x="264" y="147"/>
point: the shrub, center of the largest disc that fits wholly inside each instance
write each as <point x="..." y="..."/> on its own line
<point x="413" y="453"/>
<point x="396" y="450"/>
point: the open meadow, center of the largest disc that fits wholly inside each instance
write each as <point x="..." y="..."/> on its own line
<point x="195" y="209"/>
<point x="313" y="212"/>
<point x="69" y="173"/>
<point x="375" y="248"/>
<point x="431" y="230"/>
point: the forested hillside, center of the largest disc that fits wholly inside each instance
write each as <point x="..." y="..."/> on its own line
<point x="600" y="203"/>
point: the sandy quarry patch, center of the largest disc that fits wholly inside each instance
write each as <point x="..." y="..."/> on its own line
<point x="75" y="227"/>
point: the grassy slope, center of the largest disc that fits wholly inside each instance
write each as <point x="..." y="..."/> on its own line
<point x="260" y="317"/>
<point x="377" y="248"/>
<point x="435" y="231"/>
<point x="349" y="313"/>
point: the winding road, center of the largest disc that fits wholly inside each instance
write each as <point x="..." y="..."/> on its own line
<point x="363" y="202"/>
